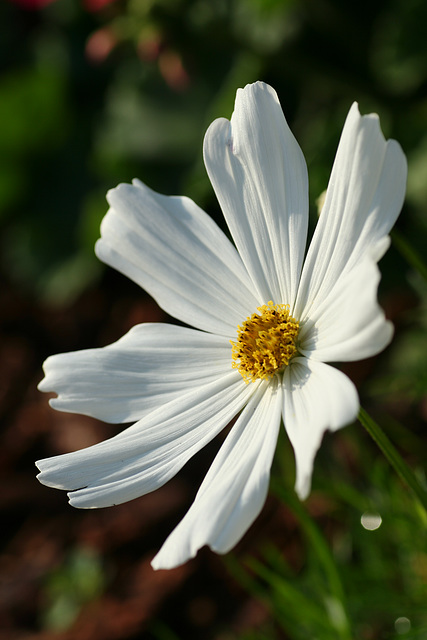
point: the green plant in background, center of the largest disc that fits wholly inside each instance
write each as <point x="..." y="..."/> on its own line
<point x="140" y="106"/>
<point x="366" y="580"/>
<point x="80" y="579"/>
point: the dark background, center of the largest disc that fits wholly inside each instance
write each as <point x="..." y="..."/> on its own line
<point x="96" y="92"/>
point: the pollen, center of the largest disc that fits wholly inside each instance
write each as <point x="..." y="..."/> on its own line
<point x="266" y="342"/>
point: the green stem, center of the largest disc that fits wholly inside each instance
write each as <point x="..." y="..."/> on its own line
<point x="393" y="456"/>
<point x="321" y="548"/>
<point x="409" y="253"/>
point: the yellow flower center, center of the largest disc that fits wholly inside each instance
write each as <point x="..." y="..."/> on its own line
<point x="265" y="342"/>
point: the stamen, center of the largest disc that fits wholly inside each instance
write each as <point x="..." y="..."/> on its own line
<point x="265" y="342"/>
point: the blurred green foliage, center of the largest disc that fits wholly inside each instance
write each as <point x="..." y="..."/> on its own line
<point x="96" y="93"/>
<point x="366" y="579"/>
<point x="78" y="580"/>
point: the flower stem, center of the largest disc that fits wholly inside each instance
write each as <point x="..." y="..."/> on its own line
<point x="409" y="253"/>
<point x="321" y="547"/>
<point x="393" y="456"/>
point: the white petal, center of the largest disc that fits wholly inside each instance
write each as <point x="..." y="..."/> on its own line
<point x="145" y="456"/>
<point x="363" y="199"/>
<point x="235" y="488"/>
<point x="260" y="178"/>
<point x="170" y="247"/>
<point x="151" y="365"/>
<point x="316" y="397"/>
<point x="349" y="324"/>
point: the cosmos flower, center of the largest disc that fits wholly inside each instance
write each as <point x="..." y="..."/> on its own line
<point x="266" y="322"/>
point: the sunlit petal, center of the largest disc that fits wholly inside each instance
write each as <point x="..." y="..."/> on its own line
<point x="170" y="247"/>
<point x="260" y="178"/>
<point x="145" y="456"/>
<point x="348" y="324"/>
<point x="149" y="366"/>
<point x="235" y="487"/>
<point x="316" y="397"/>
<point x="363" y="199"/>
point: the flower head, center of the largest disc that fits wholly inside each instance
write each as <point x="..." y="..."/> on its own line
<point x="284" y="317"/>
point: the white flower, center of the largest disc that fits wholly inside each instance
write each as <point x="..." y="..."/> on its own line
<point x="182" y="386"/>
